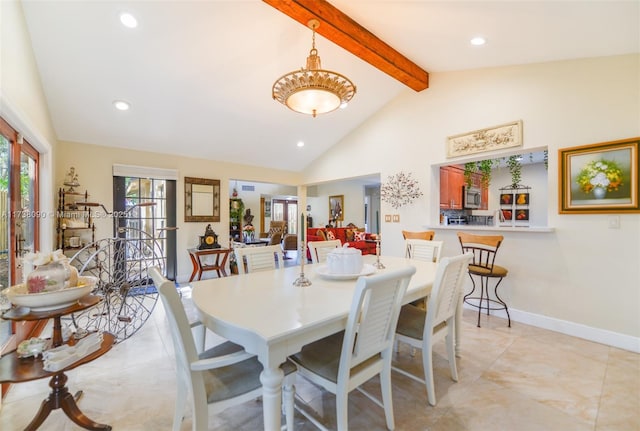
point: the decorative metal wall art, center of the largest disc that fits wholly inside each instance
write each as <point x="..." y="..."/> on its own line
<point x="490" y="139"/>
<point x="399" y="190"/>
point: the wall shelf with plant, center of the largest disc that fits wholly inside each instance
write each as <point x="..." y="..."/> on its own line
<point x="236" y="210"/>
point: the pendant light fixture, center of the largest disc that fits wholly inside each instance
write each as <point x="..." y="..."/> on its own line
<point x="313" y="90"/>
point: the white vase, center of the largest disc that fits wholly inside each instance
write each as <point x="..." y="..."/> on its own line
<point x="599" y="192"/>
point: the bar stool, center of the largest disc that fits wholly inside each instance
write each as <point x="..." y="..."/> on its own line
<point x="426" y="235"/>
<point x="484" y="249"/>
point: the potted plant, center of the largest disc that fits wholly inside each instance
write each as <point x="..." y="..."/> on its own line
<point x="236" y="209"/>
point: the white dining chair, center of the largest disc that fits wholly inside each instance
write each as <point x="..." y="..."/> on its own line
<point x="221" y="377"/>
<point x="342" y="362"/>
<point x="252" y="259"/>
<point x="423" y="328"/>
<point x="320" y="249"/>
<point x="426" y="250"/>
<point x="422" y="249"/>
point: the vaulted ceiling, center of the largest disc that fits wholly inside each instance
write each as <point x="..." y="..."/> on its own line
<point x="198" y="74"/>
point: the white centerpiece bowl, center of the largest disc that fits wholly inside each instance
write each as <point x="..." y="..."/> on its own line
<point x="44" y="301"/>
<point x="345" y="260"/>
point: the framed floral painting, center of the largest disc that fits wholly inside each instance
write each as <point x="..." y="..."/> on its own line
<point x="599" y="178"/>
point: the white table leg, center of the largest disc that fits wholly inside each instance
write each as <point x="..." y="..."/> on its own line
<point x="458" y="320"/>
<point x="271" y="380"/>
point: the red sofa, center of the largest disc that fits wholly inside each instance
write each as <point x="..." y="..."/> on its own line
<point x="344" y="234"/>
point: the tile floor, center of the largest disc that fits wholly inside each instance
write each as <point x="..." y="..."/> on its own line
<point x="520" y="378"/>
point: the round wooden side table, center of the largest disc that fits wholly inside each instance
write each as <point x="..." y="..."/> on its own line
<point x="16" y="370"/>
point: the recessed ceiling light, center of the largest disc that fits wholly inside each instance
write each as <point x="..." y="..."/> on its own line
<point x="478" y="40"/>
<point x="121" y="105"/>
<point x="300" y="144"/>
<point x="128" y="20"/>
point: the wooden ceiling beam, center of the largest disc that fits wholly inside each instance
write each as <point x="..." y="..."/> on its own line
<point x="345" y="32"/>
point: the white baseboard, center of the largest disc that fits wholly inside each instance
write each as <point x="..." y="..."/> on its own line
<point x="597" y="335"/>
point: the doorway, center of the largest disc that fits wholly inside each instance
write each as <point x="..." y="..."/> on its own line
<point x="287" y="210"/>
<point x="148" y="212"/>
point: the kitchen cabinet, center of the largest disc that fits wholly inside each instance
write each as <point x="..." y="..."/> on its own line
<point x="451" y="183"/>
<point x="476" y="181"/>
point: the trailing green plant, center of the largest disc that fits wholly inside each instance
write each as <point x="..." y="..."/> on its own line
<point x="485" y="167"/>
<point x="515" y="169"/>
<point x="470" y="168"/>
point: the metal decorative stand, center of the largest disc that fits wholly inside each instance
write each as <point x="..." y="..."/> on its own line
<point x="378" y="264"/>
<point x="302" y="281"/>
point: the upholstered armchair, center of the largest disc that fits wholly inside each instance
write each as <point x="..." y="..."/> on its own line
<point x="274" y="226"/>
<point x="289" y="243"/>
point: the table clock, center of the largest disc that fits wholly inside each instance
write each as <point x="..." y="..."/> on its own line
<point x="209" y="239"/>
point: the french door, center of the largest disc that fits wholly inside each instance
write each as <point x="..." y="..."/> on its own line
<point x="19" y="215"/>
<point x="142" y="222"/>
<point x="287" y="210"/>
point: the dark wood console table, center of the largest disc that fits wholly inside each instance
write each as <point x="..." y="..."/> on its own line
<point x="17" y="370"/>
<point x="221" y="254"/>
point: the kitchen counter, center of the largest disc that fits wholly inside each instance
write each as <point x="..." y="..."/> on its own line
<point x="468" y="227"/>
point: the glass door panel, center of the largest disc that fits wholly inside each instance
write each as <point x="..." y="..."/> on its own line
<point x="27" y="226"/>
<point x="292" y="218"/>
<point x="5" y="221"/>
<point x="286" y="210"/>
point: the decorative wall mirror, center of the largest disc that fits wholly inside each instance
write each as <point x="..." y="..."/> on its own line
<point x="201" y="200"/>
<point x="336" y="207"/>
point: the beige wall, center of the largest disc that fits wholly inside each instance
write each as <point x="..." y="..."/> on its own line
<point x="353" y="193"/>
<point x="582" y="278"/>
<point x="94" y="164"/>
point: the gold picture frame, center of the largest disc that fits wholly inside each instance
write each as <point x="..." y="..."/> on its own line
<point x="336" y="207"/>
<point x="201" y="200"/>
<point x="490" y="139"/>
<point x="599" y="178"/>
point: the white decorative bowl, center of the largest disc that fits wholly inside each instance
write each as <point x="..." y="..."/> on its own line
<point x="44" y="301"/>
<point x="344" y="260"/>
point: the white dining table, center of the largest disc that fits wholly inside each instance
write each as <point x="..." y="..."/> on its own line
<point x="271" y="318"/>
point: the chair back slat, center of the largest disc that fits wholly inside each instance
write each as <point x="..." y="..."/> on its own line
<point x="373" y="317"/>
<point x="320" y="249"/>
<point x="252" y="259"/>
<point x="421" y="249"/>
<point x="447" y="288"/>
